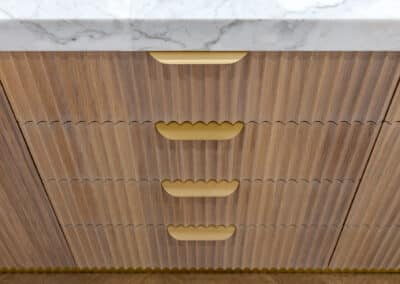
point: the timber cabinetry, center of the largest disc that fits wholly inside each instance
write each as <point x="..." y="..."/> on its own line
<point x="30" y="235"/>
<point x="371" y="235"/>
<point x="262" y="86"/>
<point x="299" y="134"/>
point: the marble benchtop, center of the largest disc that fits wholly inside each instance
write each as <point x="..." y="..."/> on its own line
<point x="127" y="25"/>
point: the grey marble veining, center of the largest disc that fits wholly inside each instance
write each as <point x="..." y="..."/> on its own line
<point x="199" y="25"/>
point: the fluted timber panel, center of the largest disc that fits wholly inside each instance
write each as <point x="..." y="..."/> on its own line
<point x="368" y="247"/>
<point x="30" y="235"/>
<point x="377" y="202"/>
<point x="371" y="236"/>
<point x="262" y="151"/>
<point x="264" y="86"/>
<point x="250" y="247"/>
<point x="394" y="110"/>
<point x="287" y="203"/>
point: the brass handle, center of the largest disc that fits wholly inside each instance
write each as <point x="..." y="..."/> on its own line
<point x="201" y="233"/>
<point x="200" y="188"/>
<point x="199" y="130"/>
<point x="198" y="57"/>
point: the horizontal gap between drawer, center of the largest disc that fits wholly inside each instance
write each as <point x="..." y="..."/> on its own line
<point x="270" y="180"/>
<point x="83" y="122"/>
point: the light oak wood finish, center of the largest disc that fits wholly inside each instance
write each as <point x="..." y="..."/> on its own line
<point x="394" y="110"/>
<point x="262" y="151"/>
<point x="368" y="247"/>
<point x="150" y="246"/>
<point x="371" y="237"/>
<point x="263" y="86"/>
<point x="310" y="122"/>
<point x="200" y="278"/>
<point x="30" y="235"/>
<point x="378" y="200"/>
<point x="281" y="203"/>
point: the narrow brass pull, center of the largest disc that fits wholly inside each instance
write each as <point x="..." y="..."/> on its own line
<point x="201" y="233"/>
<point x="200" y="188"/>
<point x="199" y="130"/>
<point x="198" y="57"/>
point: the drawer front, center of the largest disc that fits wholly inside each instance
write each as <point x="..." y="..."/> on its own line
<point x="368" y="247"/>
<point x="371" y="235"/>
<point x="291" y="203"/>
<point x="263" y="86"/>
<point x="261" y="151"/>
<point x="250" y="247"/>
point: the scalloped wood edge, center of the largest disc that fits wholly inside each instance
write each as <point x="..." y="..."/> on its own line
<point x="201" y="233"/>
<point x="191" y="188"/>
<point x="199" y="130"/>
<point x="198" y="57"/>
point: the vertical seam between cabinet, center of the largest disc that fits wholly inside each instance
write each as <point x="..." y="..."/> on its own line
<point x="397" y="85"/>
<point x="38" y="173"/>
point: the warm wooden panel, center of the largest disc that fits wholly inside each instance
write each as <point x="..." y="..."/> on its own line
<point x="288" y="203"/>
<point x="214" y="278"/>
<point x="263" y="86"/>
<point x="30" y="235"/>
<point x="371" y="238"/>
<point x="250" y="247"/>
<point x="368" y="247"/>
<point x="262" y="151"/>
<point x="394" y="111"/>
<point x="377" y="202"/>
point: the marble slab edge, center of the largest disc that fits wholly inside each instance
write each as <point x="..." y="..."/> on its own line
<point x="129" y="35"/>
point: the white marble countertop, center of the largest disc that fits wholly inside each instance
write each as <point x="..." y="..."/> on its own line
<point x="67" y="25"/>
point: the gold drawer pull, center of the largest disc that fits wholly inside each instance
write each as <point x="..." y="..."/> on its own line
<point x="200" y="188"/>
<point x="201" y="233"/>
<point x="199" y="130"/>
<point x="198" y="57"/>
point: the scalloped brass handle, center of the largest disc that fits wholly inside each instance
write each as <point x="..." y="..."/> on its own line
<point x="201" y="233"/>
<point x="199" y="130"/>
<point x="191" y="188"/>
<point x="198" y="57"/>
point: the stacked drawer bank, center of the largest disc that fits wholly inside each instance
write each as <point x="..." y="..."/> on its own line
<point x="214" y="159"/>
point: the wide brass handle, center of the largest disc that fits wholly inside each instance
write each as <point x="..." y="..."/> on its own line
<point x="198" y="57"/>
<point x="199" y="130"/>
<point x="191" y="188"/>
<point x="201" y="233"/>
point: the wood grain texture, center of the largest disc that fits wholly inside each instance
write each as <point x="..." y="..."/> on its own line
<point x="394" y="110"/>
<point x="150" y="246"/>
<point x="368" y="247"/>
<point x="378" y="200"/>
<point x="200" y="278"/>
<point x="273" y="204"/>
<point x="264" y="86"/>
<point x="261" y="151"/>
<point x="371" y="237"/>
<point x="29" y="234"/>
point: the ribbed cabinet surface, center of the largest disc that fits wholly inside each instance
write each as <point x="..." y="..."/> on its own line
<point x="30" y="235"/>
<point x="314" y="154"/>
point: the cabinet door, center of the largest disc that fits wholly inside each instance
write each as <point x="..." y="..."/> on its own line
<point x="30" y="235"/>
<point x="371" y="235"/>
